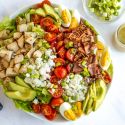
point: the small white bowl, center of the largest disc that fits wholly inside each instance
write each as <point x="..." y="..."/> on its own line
<point x="119" y="43"/>
<point x="98" y="19"/>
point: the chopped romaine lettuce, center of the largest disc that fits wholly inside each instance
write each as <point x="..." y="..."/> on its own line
<point x="7" y="24"/>
<point x="44" y="96"/>
<point x="26" y="106"/>
<point x="40" y="32"/>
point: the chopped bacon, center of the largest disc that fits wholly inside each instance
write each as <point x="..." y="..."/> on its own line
<point x="77" y="68"/>
<point x="93" y="69"/>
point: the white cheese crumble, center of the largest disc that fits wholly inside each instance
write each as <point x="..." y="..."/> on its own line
<point x="74" y="88"/>
<point x="39" y="75"/>
<point x="35" y="101"/>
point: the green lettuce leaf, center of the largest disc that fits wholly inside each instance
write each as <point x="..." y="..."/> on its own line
<point x="26" y="106"/>
<point x="40" y="32"/>
<point x="7" y="24"/>
<point x="44" y="96"/>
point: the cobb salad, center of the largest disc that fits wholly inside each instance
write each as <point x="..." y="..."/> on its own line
<point x="52" y="62"/>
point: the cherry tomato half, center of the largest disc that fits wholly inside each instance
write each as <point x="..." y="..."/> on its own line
<point x="36" y="108"/>
<point x="46" y="22"/>
<point x="36" y="18"/>
<point x="53" y="45"/>
<point x="53" y="79"/>
<point x="46" y="109"/>
<point x="52" y="28"/>
<point x="60" y="37"/>
<point x="62" y="52"/>
<point x="40" y="5"/>
<point x="52" y="116"/>
<point x="60" y="72"/>
<point x="59" y="61"/>
<point x="50" y="37"/>
<point x="107" y="77"/>
<point x="70" y="54"/>
<point x="59" y="44"/>
<point x="56" y="102"/>
<point x="57" y="93"/>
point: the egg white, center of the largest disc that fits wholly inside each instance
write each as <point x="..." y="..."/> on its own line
<point x="108" y="61"/>
<point x="76" y="14"/>
<point x="64" y="107"/>
<point x="61" y="8"/>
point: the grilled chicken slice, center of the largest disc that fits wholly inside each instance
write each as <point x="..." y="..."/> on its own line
<point x="5" y="63"/>
<point x="23" y="68"/>
<point x="30" y="37"/>
<point x="4" y="34"/>
<point x="11" y="63"/>
<point x="37" y="54"/>
<point x="13" y="46"/>
<point x="17" y="35"/>
<point x="2" y="74"/>
<point x="10" y="72"/>
<point x="6" y="54"/>
<point x="29" y="54"/>
<point x="17" y="67"/>
<point x="22" y="28"/>
<point x="20" y="41"/>
<point x="18" y="58"/>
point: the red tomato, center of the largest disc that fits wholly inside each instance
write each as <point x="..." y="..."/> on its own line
<point x="54" y="79"/>
<point x="58" y="92"/>
<point x="46" y="22"/>
<point x="56" y="102"/>
<point x="107" y="77"/>
<point x="52" y="28"/>
<point x="59" y="44"/>
<point x="62" y="52"/>
<point x="70" y="54"/>
<point x="46" y="109"/>
<point x="69" y="67"/>
<point x="60" y="72"/>
<point x="59" y="61"/>
<point x="60" y="37"/>
<point x="36" y="18"/>
<point x="53" y="44"/>
<point x="52" y="116"/>
<point x="50" y="37"/>
<point x="36" y="108"/>
<point x="40" y="5"/>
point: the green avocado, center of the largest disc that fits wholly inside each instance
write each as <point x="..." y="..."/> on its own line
<point x="20" y="81"/>
<point x="27" y="96"/>
<point x="101" y="90"/>
<point x="85" y="102"/>
<point x="14" y="87"/>
<point x="38" y="11"/>
<point x="89" y="106"/>
<point x="51" y="12"/>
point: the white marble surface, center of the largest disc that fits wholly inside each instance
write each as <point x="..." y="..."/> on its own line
<point x="112" y="111"/>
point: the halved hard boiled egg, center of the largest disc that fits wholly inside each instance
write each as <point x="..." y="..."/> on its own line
<point x="65" y="16"/>
<point x="105" y="59"/>
<point x="75" y="19"/>
<point x="67" y="112"/>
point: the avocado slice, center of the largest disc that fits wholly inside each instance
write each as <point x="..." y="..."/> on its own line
<point x="85" y="102"/>
<point x="51" y="12"/>
<point x="27" y="96"/>
<point x="40" y="12"/>
<point x="20" y="81"/>
<point x="101" y="90"/>
<point x="89" y="106"/>
<point x="14" y="87"/>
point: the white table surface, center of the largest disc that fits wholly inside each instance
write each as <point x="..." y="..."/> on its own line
<point x="112" y="111"/>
